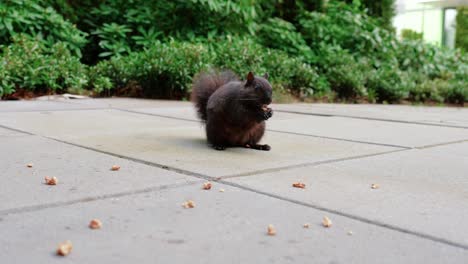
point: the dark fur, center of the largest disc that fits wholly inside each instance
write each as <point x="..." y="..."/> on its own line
<point x="232" y="109"/>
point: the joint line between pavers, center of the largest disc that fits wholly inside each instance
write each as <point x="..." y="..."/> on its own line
<point x="158" y="115"/>
<point x="308" y="164"/>
<point x="341" y="139"/>
<point x="351" y="216"/>
<point x="17" y="130"/>
<point x="373" y="119"/>
<point x="94" y="198"/>
<point x="443" y="144"/>
<point x="56" y="110"/>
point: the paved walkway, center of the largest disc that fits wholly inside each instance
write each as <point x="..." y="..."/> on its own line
<point x="417" y="155"/>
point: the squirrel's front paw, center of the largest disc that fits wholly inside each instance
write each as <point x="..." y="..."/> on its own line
<point x="268" y="113"/>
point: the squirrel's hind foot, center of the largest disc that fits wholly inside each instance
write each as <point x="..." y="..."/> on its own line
<point x="219" y="147"/>
<point x="258" y="147"/>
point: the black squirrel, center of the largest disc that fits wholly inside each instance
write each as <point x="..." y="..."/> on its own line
<point x="234" y="111"/>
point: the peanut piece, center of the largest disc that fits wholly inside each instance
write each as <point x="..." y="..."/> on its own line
<point x="95" y="224"/>
<point x="51" y="181"/>
<point x="189" y="204"/>
<point x="64" y="248"/>
<point x="299" y="185"/>
<point x="206" y="185"/>
<point x="326" y="222"/>
<point x="271" y="231"/>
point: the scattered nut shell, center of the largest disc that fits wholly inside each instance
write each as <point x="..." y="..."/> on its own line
<point x="206" y="185"/>
<point x="350" y="233"/>
<point x="29" y="165"/>
<point x="271" y="231"/>
<point x="326" y="222"/>
<point x="115" y="168"/>
<point x="64" y="248"/>
<point x="221" y="190"/>
<point x="189" y="204"/>
<point x="95" y="224"/>
<point x="299" y="185"/>
<point x="375" y="186"/>
<point x="51" y="181"/>
<point x="306" y="225"/>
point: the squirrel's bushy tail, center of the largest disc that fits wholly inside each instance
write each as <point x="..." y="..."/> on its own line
<point x="205" y="84"/>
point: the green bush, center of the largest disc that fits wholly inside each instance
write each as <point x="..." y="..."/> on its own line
<point x="389" y="84"/>
<point x="166" y="69"/>
<point x="28" y="64"/>
<point x="121" y="26"/>
<point x="282" y="35"/>
<point x="42" y="23"/>
<point x="348" y="27"/>
<point x="408" y="34"/>
<point x="243" y="55"/>
<point x="312" y="48"/>
<point x="345" y="74"/>
<point x="461" y="31"/>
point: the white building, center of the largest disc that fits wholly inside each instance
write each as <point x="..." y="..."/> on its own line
<point x="434" y="18"/>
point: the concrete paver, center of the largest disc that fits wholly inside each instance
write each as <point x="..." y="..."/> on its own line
<point x="227" y="227"/>
<point x="82" y="173"/>
<point x="444" y="116"/>
<point x="420" y="190"/>
<point x="381" y="132"/>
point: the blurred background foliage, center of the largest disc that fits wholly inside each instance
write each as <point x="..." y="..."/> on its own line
<point x="313" y="49"/>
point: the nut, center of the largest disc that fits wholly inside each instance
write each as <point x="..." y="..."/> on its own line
<point x="95" y="224"/>
<point x="265" y="107"/>
<point x="29" y="165"/>
<point x="271" y="231"/>
<point x="189" y="204"/>
<point x="221" y="190"/>
<point x="375" y="186"/>
<point x="299" y="185"/>
<point x="64" y="248"/>
<point x="206" y="185"/>
<point x="326" y="222"/>
<point x="306" y="225"/>
<point x="115" y="168"/>
<point x="350" y="233"/>
<point x="51" y="181"/>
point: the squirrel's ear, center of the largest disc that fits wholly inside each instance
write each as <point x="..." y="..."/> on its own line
<point x="250" y="78"/>
<point x="266" y="76"/>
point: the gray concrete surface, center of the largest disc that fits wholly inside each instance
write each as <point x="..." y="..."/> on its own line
<point x="418" y="156"/>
